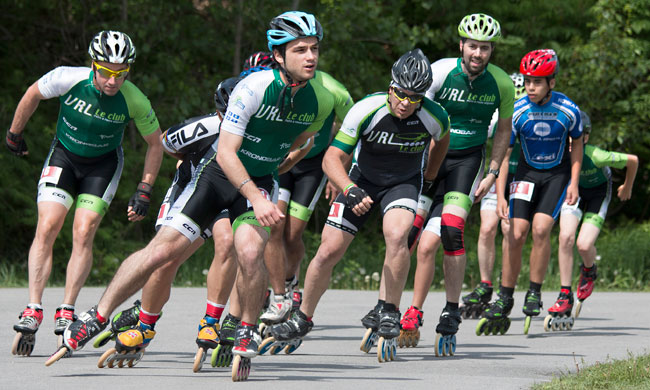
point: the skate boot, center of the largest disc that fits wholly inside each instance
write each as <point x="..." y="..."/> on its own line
<point x="129" y="347"/>
<point x="121" y="322"/>
<point x="371" y="322"/>
<point x="475" y="303"/>
<point x="559" y="315"/>
<point x="293" y="290"/>
<point x="63" y="317"/>
<point x="78" y="333"/>
<point x="28" y="322"/>
<point x="247" y="342"/>
<point x="388" y="331"/>
<point x="495" y="318"/>
<point x="411" y="323"/>
<point x="278" y="311"/>
<point x="532" y="307"/>
<point x="208" y="338"/>
<point x="222" y="354"/>
<point x="287" y="335"/>
<point x="446" y="332"/>
<point x="585" y="285"/>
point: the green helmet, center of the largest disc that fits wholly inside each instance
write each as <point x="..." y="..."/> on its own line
<point x="480" y="27"/>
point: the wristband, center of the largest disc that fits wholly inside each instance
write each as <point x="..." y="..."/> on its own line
<point x="347" y="188"/>
<point x="242" y="184"/>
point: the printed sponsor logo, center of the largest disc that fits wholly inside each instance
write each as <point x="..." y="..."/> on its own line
<point x="542" y="129"/>
<point x="456" y="95"/>
<point x="410" y="142"/>
<point x="189" y="228"/>
<point x="86" y="108"/>
<point x="188" y="134"/>
<point x="349" y="131"/>
<point x="239" y="104"/>
<point x="232" y="117"/>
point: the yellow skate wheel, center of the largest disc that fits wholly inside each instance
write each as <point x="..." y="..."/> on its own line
<point x="199" y="358"/>
<point x="16" y="343"/>
<point x="266" y="345"/>
<point x="578" y="308"/>
<point x="482" y="323"/>
<point x="527" y="324"/>
<point x="547" y="322"/>
<point x="240" y="368"/>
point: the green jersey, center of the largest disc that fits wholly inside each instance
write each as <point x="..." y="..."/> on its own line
<point x="267" y="125"/>
<point x="92" y="123"/>
<point x="595" y="165"/>
<point x="470" y="104"/>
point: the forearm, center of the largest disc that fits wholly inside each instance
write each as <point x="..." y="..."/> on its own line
<point x="503" y="175"/>
<point x="576" y="160"/>
<point x="500" y="143"/>
<point x="237" y="174"/>
<point x="436" y="156"/>
<point x="630" y="170"/>
<point x="294" y="156"/>
<point x="334" y="167"/>
<point x="25" y="109"/>
<point x="152" y="161"/>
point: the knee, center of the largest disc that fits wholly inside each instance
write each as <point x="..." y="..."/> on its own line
<point x="327" y="255"/>
<point x="451" y="234"/>
<point x="395" y="236"/>
<point x="583" y="247"/>
<point x="427" y="247"/>
<point x="487" y="232"/>
<point x="566" y="240"/>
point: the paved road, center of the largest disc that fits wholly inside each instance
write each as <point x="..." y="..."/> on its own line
<point x="611" y="325"/>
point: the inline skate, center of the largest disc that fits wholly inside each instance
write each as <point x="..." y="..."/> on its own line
<point x="411" y="322"/>
<point x="475" y="303"/>
<point x="28" y="322"/>
<point x="129" y="347"/>
<point x="388" y="332"/>
<point x="446" y="330"/>
<point x="585" y="285"/>
<point x="559" y="315"/>
<point x="495" y="318"/>
<point x="532" y="307"/>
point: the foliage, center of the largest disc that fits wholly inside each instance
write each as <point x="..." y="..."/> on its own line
<point x="186" y="47"/>
<point x="630" y="373"/>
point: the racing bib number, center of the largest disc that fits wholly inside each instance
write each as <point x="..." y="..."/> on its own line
<point x="50" y="175"/>
<point x="522" y="190"/>
<point x="336" y="212"/>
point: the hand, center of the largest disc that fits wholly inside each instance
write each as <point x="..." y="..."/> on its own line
<point x="484" y="187"/>
<point x="624" y="193"/>
<point x="331" y="192"/>
<point x="139" y="202"/>
<point x="502" y="210"/>
<point x="266" y="212"/>
<point x="16" y="144"/>
<point x="572" y="194"/>
<point x="358" y="200"/>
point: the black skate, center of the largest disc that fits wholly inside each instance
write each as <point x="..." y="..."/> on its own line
<point x="246" y="345"/>
<point x="29" y="321"/>
<point x="78" y="333"/>
<point x="287" y="335"/>
<point x="371" y="322"/>
<point x="388" y="331"/>
<point x="222" y="355"/>
<point x="475" y="303"/>
<point x="121" y="322"/>
<point x="495" y="318"/>
<point x="559" y="315"/>
<point x="532" y="307"/>
<point x="446" y="332"/>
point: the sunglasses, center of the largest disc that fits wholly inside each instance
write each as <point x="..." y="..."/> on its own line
<point x="401" y="96"/>
<point x="108" y="73"/>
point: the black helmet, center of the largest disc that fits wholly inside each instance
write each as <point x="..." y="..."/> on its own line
<point x="223" y="91"/>
<point x="412" y="72"/>
<point x="260" y="58"/>
<point x="586" y="122"/>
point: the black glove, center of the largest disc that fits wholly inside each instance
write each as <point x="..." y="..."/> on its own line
<point x="426" y="186"/>
<point x="16" y="143"/>
<point x="141" y="199"/>
<point x="354" y="196"/>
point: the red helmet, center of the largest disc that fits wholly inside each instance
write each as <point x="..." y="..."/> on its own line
<point x="539" y="63"/>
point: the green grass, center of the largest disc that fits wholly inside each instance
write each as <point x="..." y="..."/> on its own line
<point x="630" y="373"/>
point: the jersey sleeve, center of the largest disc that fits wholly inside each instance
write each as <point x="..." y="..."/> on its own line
<point x="140" y="109"/>
<point x="60" y="80"/>
<point x="342" y="99"/>
<point x="606" y="158"/>
<point x="244" y="102"/>
<point x="437" y="119"/>
<point x="506" y="91"/>
<point x="440" y="69"/>
<point x="353" y="124"/>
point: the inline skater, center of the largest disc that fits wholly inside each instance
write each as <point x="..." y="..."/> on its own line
<point x="546" y="176"/>
<point x="300" y="189"/>
<point x="389" y="133"/>
<point x="272" y="113"/>
<point x="470" y="89"/>
<point x="476" y="301"/>
<point x="595" y="190"/>
<point x="85" y="161"/>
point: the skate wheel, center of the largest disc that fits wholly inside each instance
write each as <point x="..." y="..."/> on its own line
<point x="261" y="328"/>
<point x="292" y="346"/>
<point x="548" y="321"/>
<point x="463" y="312"/>
<point x="439" y="346"/>
<point x="277" y="347"/>
<point x="56" y="356"/>
<point x="199" y="358"/>
<point x="103" y="360"/>
<point x="121" y="359"/>
<point x="135" y="360"/>
<point x="103" y="339"/>
<point x="527" y="324"/>
<point x="451" y="345"/>
<point x="505" y="325"/>
<point x="401" y="342"/>
<point x="222" y="356"/>
<point x="488" y="327"/>
<point x="384" y="351"/>
<point x="368" y="340"/>
<point x="578" y="308"/>
<point x="480" y="326"/>
<point x="16" y="344"/>
<point x="266" y="345"/>
<point x="240" y="368"/>
<point x="569" y="325"/>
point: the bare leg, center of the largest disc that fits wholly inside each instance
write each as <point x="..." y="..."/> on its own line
<point x="426" y="266"/>
<point x="252" y="277"/>
<point x="275" y="256"/>
<point x="518" y="233"/>
<point x="567" y="238"/>
<point x="541" y="252"/>
<point x="396" y="225"/>
<point x="486" y="247"/>
<point x="51" y="216"/>
<point x="587" y="243"/>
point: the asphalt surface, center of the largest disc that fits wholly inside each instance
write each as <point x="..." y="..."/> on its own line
<point x="611" y="326"/>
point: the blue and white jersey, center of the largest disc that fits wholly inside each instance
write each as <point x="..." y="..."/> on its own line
<point x="544" y="131"/>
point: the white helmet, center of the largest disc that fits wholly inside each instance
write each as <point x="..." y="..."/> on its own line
<point x="112" y="46"/>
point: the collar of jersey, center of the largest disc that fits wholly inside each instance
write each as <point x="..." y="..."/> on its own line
<point x="459" y="68"/>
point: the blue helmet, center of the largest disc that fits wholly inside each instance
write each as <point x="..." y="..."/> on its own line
<point x="293" y="25"/>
